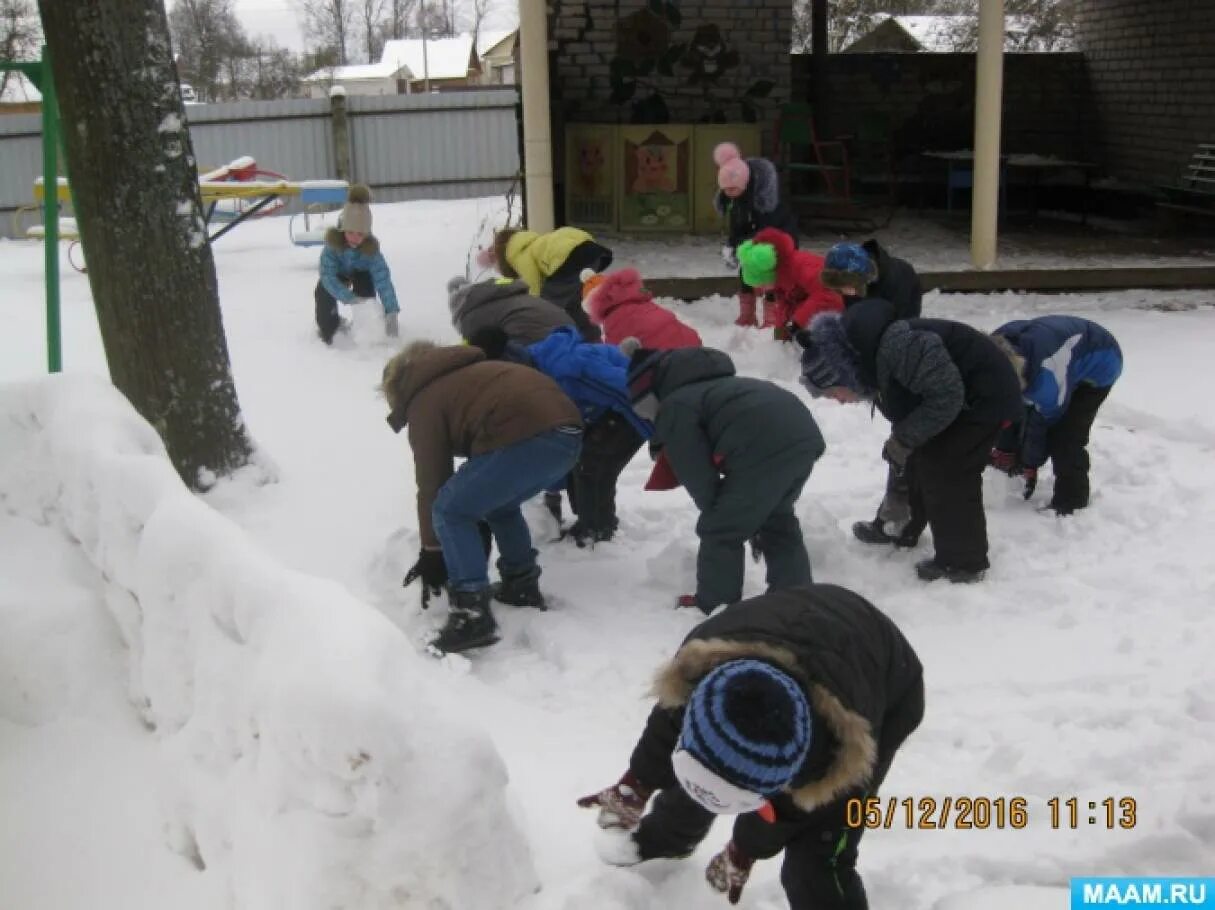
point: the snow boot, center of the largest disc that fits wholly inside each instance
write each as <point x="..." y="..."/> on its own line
<point x="470" y="624"/>
<point x="931" y="570"/>
<point x="746" y="309"/>
<point x="552" y="502"/>
<point x="583" y="535"/>
<point x="521" y="590"/>
<point x="774" y="312"/>
<point x="874" y="532"/>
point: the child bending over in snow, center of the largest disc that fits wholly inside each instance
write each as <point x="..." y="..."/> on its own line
<point x="620" y="305"/>
<point x="779" y="710"/>
<point x="771" y="262"/>
<point x="353" y="268"/>
<point x="1067" y="366"/>
<point x="551" y="264"/>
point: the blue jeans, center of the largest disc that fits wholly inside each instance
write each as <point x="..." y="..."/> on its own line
<point x="491" y="487"/>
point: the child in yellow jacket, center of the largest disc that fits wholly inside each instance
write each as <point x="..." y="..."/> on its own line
<point x="551" y="264"/>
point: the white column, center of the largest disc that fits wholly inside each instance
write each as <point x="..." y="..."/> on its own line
<point x="989" y="86"/>
<point x="537" y="129"/>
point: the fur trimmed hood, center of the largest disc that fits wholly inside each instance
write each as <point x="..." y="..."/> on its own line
<point x="336" y="239"/>
<point x="763" y="189"/>
<point x="853" y="763"/>
<point x="1014" y="356"/>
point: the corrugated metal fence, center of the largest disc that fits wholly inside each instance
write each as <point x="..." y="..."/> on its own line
<point x="447" y="145"/>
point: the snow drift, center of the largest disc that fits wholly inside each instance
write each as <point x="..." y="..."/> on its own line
<point x="326" y="767"/>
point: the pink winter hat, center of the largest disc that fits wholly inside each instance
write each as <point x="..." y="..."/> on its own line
<point x="732" y="170"/>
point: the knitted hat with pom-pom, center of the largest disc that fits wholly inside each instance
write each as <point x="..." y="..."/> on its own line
<point x="758" y="262"/>
<point x="747" y="724"/>
<point x="590" y="281"/>
<point x="732" y="170"/>
<point x="356" y="213"/>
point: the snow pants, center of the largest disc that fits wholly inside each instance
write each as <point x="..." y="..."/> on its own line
<point x="608" y="445"/>
<point x="820" y="849"/>
<point x="327" y="319"/>
<point x="1067" y="446"/>
<point x="945" y="483"/>
<point x="754" y="502"/>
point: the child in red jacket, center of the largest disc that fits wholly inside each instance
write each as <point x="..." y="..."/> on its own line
<point x="772" y="262"/>
<point x="623" y="308"/>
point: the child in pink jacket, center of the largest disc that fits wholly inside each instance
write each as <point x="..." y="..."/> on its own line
<point x="623" y="308"/>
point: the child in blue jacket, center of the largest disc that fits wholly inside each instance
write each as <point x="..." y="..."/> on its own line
<point x="594" y="378"/>
<point x="353" y="268"/>
<point x="1067" y="366"/>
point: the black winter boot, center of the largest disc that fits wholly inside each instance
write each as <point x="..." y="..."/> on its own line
<point x="521" y="590"/>
<point x="931" y="570"/>
<point x="470" y="624"/>
<point x="552" y="502"/>
<point x="873" y="532"/>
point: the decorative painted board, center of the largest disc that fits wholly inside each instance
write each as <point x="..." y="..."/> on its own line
<point x="590" y="175"/>
<point x="655" y="182"/>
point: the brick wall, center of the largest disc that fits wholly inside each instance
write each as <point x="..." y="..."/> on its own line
<point x="678" y="61"/>
<point x="927" y="101"/>
<point x="1152" y="68"/>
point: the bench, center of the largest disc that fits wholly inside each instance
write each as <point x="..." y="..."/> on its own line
<point x="1194" y="193"/>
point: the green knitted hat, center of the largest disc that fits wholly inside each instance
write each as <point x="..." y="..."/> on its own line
<point x="758" y="261"/>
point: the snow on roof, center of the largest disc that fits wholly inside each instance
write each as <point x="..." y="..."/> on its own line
<point x="19" y="89"/>
<point x="942" y="33"/>
<point x="487" y="40"/>
<point x="446" y="58"/>
<point x="381" y="70"/>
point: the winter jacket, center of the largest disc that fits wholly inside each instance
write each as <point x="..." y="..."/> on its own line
<point x="861" y="677"/>
<point x="625" y="309"/>
<point x="339" y="260"/>
<point x="707" y="412"/>
<point x="897" y="282"/>
<point x="927" y="373"/>
<point x="758" y="207"/>
<point x="1060" y="353"/>
<point x="508" y="305"/>
<point x="534" y="257"/>
<point x="457" y="404"/>
<point x="797" y="279"/>
<point x="594" y="376"/>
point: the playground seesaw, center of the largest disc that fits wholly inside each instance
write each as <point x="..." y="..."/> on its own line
<point x="252" y="191"/>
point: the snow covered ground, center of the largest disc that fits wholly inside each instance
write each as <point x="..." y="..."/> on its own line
<point x="223" y="703"/>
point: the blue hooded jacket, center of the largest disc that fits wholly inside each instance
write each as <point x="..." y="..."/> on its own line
<point x="592" y="375"/>
<point x="1060" y="352"/>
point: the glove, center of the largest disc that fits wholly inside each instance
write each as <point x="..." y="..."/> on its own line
<point x="391" y="328"/>
<point x="729" y="257"/>
<point x="896" y="454"/>
<point x="432" y="569"/>
<point x="620" y="805"/>
<point x="1003" y="461"/>
<point x="1031" y="481"/>
<point x="728" y="871"/>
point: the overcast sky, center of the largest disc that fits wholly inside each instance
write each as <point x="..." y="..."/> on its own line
<point x="280" y="20"/>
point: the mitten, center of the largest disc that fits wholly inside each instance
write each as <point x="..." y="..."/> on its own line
<point x="620" y="805"/>
<point x="391" y="327"/>
<point x="432" y="569"/>
<point x="728" y="871"/>
<point x="1003" y="461"/>
<point x="1031" y="481"/>
<point x="896" y="454"/>
<point x="729" y="257"/>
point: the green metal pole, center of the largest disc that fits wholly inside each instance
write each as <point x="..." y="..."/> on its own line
<point x="50" y="215"/>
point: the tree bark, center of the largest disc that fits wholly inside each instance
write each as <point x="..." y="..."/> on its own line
<point x="140" y="216"/>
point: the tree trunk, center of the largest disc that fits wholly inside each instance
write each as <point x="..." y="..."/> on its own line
<point x="135" y="187"/>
